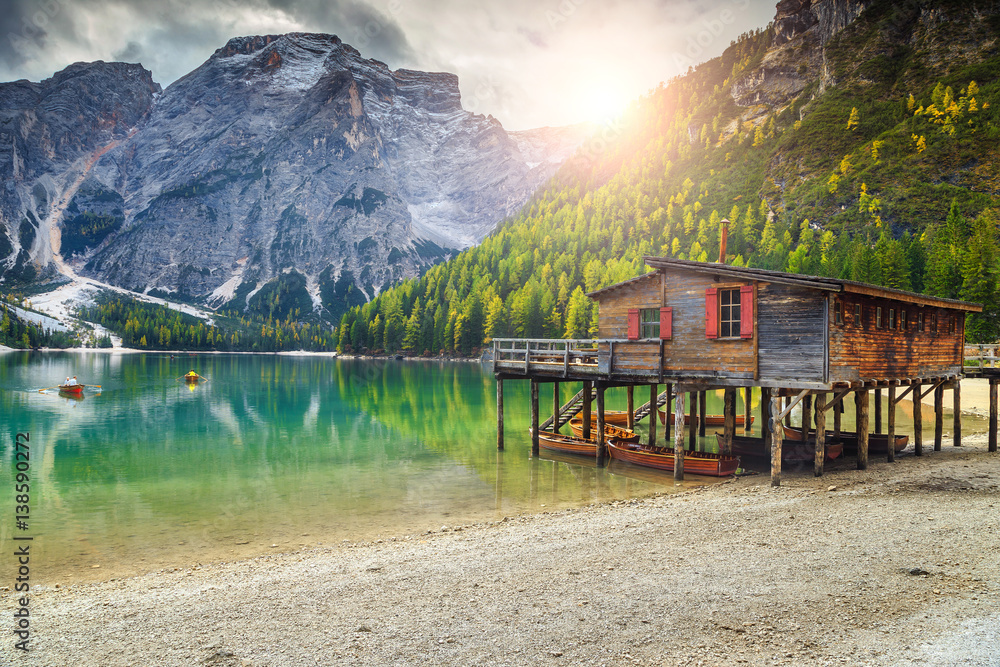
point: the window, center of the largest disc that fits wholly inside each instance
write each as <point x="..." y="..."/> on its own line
<point x="902" y="320"/>
<point x="838" y="313"/>
<point x="878" y="317"/>
<point x="933" y="323"/>
<point x="857" y="316"/>
<point x="951" y="324"/>
<point x="649" y="323"/>
<point x="920" y="322"/>
<point x="892" y="319"/>
<point x="729" y="313"/>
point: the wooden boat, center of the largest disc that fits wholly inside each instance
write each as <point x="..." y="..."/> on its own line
<point x="616" y="417"/>
<point x="792" y="451"/>
<point x="878" y="443"/>
<point x="610" y="430"/>
<point x="71" y="388"/>
<point x="710" y="420"/>
<point x="566" y="444"/>
<point x="662" y="458"/>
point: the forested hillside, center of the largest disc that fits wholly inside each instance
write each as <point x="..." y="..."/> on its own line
<point x="883" y="169"/>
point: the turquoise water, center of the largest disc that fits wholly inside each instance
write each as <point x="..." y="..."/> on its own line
<point x="272" y="453"/>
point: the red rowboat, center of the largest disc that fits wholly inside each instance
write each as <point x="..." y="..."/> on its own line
<point x="792" y="451"/>
<point x="662" y="458"/>
<point x="616" y="417"/>
<point x="878" y="443"/>
<point x="610" y="431"/>
<point x="71" y="388"/>
<point x="710" y="420"/>
<point x="567" y="444"/>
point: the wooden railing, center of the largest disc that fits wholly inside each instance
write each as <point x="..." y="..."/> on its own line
<point x="982" y="356"/>
<point x="546" y="354"/>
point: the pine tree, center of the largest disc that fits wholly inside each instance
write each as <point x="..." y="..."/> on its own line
<point x="854" y="120"/>
<point x="979" y="279"/>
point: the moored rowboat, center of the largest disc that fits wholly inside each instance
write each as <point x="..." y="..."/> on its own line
<point x="792" y="451"/>
<point x="610" y="431"/>
<point x="567" y="444"/>
<point x="71" y="388"/>
<point x="616" y="417"/>
<point x="878" y="443"/>
<point x="662" y="458"/>
<point x="710" y="420"/>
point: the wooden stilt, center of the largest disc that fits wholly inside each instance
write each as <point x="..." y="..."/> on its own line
<point x="891" y="423"/>
<point x="601" y="447"/>
<point x="938" y="417"/>
<point x="630" y="399"/>
<point x="878" y="410"/>
<point x="499" y="414"/>
<point x="918" y="423"/>
<point x="765" y="416"/>
<point x="588" y="389"/>
<point x="534" y="418"/>
<point x="820" y="435"/>
<point x="667" y="410"/>
<point x="957" y="417"/>
<point x="702" y="402"/>
<point x="729" y="420"/>
<point x="693" y="421"/>
<point x="773" y="426"/>
<point x="993" y="416"/>
<point x="806" y="404"/>
<point x="653" y="393"/>
<point x="555" y="407"/>
<point x="863" y="430"/>
<point x="679" y="437"/>
<point x="747" y="405"/>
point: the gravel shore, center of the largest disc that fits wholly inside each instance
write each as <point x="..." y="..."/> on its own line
<point x="896" y="565"/>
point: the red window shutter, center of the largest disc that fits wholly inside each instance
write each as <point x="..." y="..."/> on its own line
<point x="746" y="311"/>
<point x="666" y="323"/>
<point x="633" y="323"/>
<point x="711" y="313"/>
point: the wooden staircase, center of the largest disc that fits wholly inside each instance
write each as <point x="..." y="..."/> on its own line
<point x="572" y="408"/>
<point x="644" y="410"/>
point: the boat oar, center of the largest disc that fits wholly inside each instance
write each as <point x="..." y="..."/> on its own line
<point x="42" y="391"/>
<point x="95" y="386"/>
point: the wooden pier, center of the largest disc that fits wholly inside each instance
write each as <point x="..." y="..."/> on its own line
<point x="692" y="327"/>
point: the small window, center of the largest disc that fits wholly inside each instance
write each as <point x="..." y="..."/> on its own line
<point x="649" y="323"/>
<point x="729" y="313"/>
<point x="878" y="317"/>
<point x="951" y="324"/>
<point x="902" y="320"/>
<point x="933" y="323"/>
<point x="857" y="316"/>
<point x="838" y="313"/>
<point x="920" y="322"/>
<point x="892" y="319"/>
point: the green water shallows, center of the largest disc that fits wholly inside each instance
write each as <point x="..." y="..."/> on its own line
<point x="273" y="450"/>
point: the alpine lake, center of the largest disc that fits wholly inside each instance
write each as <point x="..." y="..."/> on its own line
<point x="275" y="453"/>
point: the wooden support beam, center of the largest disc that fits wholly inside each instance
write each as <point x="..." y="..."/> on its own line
<point x="773" y="427"/>
<point x="729" y="420"/>
<point x="891" y="425"/>
<point x="806" y="418"/>
<point x="555" y="407"/>
<point x="747" y="405"/>
<point x="838" y="413"/>
<point x="534" y="418"/>
<point x="630" y="400"/>
<point x="653" y="395"/>
<point x="957" y="417"/>
<point x="863" y="430"/>
<point x="500" y="414"/>
<point x="938" y="416"/>
<point x="792" y="403"/>
<point x="878" y="411"/>
<point x="667" y="411"/>
<point x="679" y="437"/>
<point x="588" y="389"/>
<point x="702" y="402"/>
<point x="904" y="393"/>
<point x="693" y="421"/>
<point x="765" y="416"/>
<point x="993" y="416"/>
<point x="918" y="423"/>
<point x="600" y="426"/>
<point x="820" y="435"/>
<point x="837" y="403"/>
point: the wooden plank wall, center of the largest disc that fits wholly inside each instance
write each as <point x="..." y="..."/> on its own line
<point x="858" y="353"/>
<point x="792" y="336"/>
<point x="612" y="316"/>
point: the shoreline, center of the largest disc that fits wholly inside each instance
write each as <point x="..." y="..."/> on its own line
<point x="892" y="565"/>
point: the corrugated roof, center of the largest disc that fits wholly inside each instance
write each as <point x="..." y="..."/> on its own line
<point x="798" y="280"/>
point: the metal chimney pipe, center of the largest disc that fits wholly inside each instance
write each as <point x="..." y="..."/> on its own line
<point x="725" y="238"/>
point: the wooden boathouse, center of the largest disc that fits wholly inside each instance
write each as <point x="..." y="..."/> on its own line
<point x="697" y="326"/>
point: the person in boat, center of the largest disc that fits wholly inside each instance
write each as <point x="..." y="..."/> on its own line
<point x="66" y="381"/>
<point x="72" y="382"/>
<point x="191" y="375"/>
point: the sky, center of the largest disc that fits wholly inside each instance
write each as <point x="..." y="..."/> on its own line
<point x="529" y="63"/>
